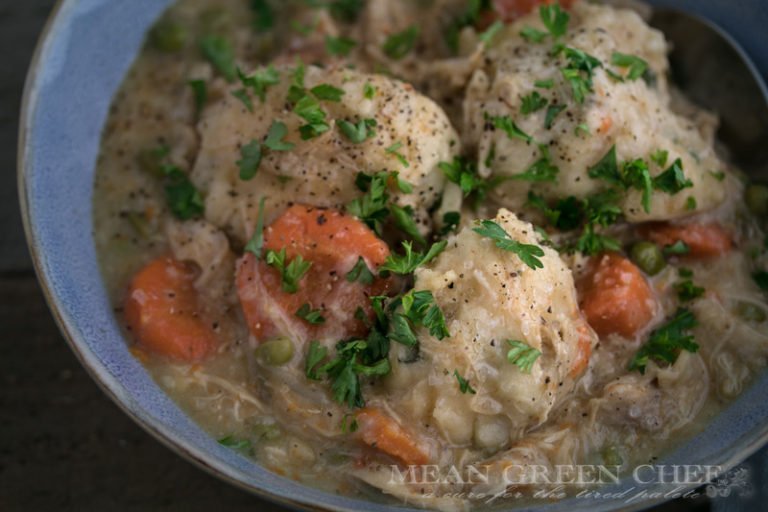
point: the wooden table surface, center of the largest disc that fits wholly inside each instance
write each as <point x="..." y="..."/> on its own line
<point x="63" y="445"/>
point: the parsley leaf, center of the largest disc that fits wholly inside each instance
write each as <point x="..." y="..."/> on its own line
<point x="369" y="91"/>
<point x="659" y="157"/>
<point x="421" y="309"/>
<point x="183" y="198"/>
<point x="761" y="279"/>
<point x="260" y="81"/>
<point x="552" y="112"/>
<point x="666" y="342"/>
<point x="309" y="109"/>
<point x="360" y="272"/>
<point x="346" y="10"/>
<point x="403" y="217"/>
<point x="451" y="221"/>
<point x="327" y="92"/>
<point x="464" y="385"/>
<point x="200" y="94"/>
<point x="533" y="102"/>
<point x="468" y="18"/>
<point x="637" y="175"/>
<point x="221" y="55"/>
<point x="579" y="72"/>
<point x="263" y="15"/>
<point x="678" y="248"/>
<point x="251" y="159"/>
<point x="506" y="124"/>
<point x="393" y="150"/>
<point x="371" y="208"/>
<point x="341" y="46"/>
<point x="522" y="355"/>
<point x="256" y="244"/>
<point x="290" y="273"/>
<point x="637" y="66"/>
<point x="242" y="95"/>
<point x="344" y="371"/>
<point x="672" y="180"/>
<point x="487" y="36"/>
<point x="312" y="316"/>
<point x="555" y="19"/>
<point x="463" y="173"/>
<point x="402" y="43"/>
<point x="527" y="253"/>
<point x="315" y="355"/>
<point x="544" y="84"/>
<point x="360" y="132"/>
<point x="541" y="170"/>
<point x="688" y="291"/>
<point x="274" y="140"/>
<point x="533" y="35"/>
<point x="240" y="445"/>
<point x="408" y="262"/>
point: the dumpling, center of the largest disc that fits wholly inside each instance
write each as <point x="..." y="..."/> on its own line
<point x="635" y="115"/>
<point x="490" y="300"/>
<point x="412" y="136"/>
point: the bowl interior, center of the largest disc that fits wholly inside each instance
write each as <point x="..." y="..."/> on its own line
<point x="80" y="63"/>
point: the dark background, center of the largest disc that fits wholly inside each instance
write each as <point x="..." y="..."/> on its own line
<point x="63" y="445"/>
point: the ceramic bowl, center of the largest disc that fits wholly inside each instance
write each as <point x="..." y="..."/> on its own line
<point x="84" y="53"/>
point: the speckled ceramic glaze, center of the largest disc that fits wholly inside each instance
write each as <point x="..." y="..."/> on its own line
<point x="82" y="58"/>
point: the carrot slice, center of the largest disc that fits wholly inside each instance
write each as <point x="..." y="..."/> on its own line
<point x="615" y="297"/>
<point x="380" y="431"/>
<point x="162" y="312"/>
<point x="704" y="240"/>
<point x="333" y="242"/>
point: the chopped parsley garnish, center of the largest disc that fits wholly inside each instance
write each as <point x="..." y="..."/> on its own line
<point x="402" y="43"/>
<point x="566" y="215"/>
<point x="637" y="66"/>
<point x="346" y="10"/>
<point x="579" y="72"/>
<point x="408" y="262"/>
<point x="487" y="36"/>
<point x="761" y="279"/>
<point x="533" y="102"/>
<point x="672" y="180"/>
<point x="260" y="81"/>
<point x="199" y="93"/>
<point x="360" y="132"/>
<point x="349" y="426"/>
<point x="240" y="445"/>
<point x="533" y="35"/>
<point x="341" y="46"/>
<point x="327" y="92"/>
<point x="508" y="126"/>
<point x="660" y="157"/>
<point x="274" y="140"/>
<point x="527" y="253"/>
<point x="309" y="109"/>
<point x="345" y="369"/>
<point x="451" y="221"/>
<point x="544" y="84"/>
<point x="360" y="272"/>
<point x="421" y="309"/>
<point x="555" y="19"/>
<point x="369" y="91"/>
<point x="552" y="112"/>
<point x="678" y="248"/>
<point x="541" y="170"/>
<point x="263" y="15"/>
<point x="522" y="355"/>
<point x="394" y="150"/>
<point x="312" y="316"/>
<point x="582" y="129"/>
<point x="290" y="273"/>
<point x="463" y="173"/>
<point x="666" y="342"/>
<point x="245" y="99"/>
<point x="256" y="244"/>
<point x="718" y="175"/>
<point x="315" y="355"/>
<point x="183" y="198"/>
<point x="220" y="54"/>
<point x="690" y="203"/>
<point x="687" y="290"/>
<point x="251" y="159"/>
<point x="404" y="220"/>
<point x="464" y="385"/>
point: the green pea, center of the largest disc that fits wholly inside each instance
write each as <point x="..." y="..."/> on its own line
<point x="750" y="312"/>
<point x="756" y="197"/>
<point x="168" y="36"/>
<point x="612" y="456"/>
<point x="276" y="352"/>
<point x="648" y="257"/>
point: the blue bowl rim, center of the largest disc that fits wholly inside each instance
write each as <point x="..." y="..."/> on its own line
<point x="731" y="456"/>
